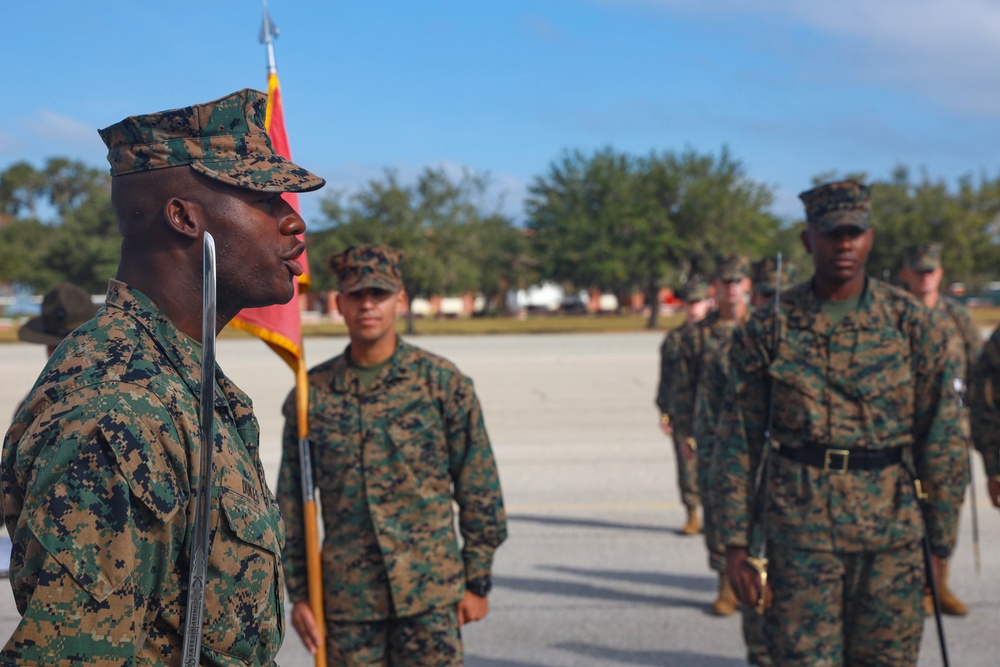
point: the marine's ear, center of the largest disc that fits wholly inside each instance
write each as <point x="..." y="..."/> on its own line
<point x="183" y="216"/>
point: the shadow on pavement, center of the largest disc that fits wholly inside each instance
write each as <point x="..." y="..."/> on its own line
<point x="572" y="589"/>
<point x="476" y="661"/>
<point x="587" y="523"/>
<point x="650" y="658"/>
<point x="699" y="583"/>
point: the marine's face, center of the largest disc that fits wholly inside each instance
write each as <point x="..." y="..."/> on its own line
<point x="922" y="283"/>
<point x="257" y="249"/>
<point x="695" y="311"/>
<point x="370" y="313"/>
<point x="731" y="292"/>
<point x="840" y="255"/>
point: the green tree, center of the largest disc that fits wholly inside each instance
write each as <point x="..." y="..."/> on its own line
<point x="619" y="223"/>
<point x="441" y="224"/>
<point x="58" y="225"/>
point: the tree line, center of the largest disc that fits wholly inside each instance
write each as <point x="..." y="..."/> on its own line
<point x="607" y="219"/>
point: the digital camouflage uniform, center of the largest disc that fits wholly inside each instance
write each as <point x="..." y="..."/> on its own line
<point x="959" y="330"/>
<point x="670" y="350"/>
<point x="100" y="464"/>
<point x="985" y="404"/>
<point x="388" y="460"/>
<point x="98" y="473"/>
<point x="846" y="565"/>
<point x="717" y="337"/>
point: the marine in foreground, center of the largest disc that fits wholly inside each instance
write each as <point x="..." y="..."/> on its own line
<point x="100" y="463"/>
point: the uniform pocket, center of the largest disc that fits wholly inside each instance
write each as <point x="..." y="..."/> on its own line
<point x="243" y="597"/>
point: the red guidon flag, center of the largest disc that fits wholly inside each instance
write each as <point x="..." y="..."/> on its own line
<point x="280" y="326"/>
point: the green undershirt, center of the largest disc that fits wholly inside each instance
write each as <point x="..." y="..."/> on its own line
<point x="366" y="374"/>
<point x="837" y="310"/>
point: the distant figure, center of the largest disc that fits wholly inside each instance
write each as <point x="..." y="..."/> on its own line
<point x="712" y="338"/>
<point x="695" y="303"/>
<point x="922" y="273"/>
<point x="397" y="438"/>
<point x="64" y="308"/>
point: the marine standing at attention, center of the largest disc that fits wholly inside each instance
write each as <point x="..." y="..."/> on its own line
<point x="695" y="304"/>
<point x="100" y="463"/>
<point x="397" y="436"/>
<point x="859" y="382"/>
<point x="712" y="337"/>
<point x="922" y="273"/>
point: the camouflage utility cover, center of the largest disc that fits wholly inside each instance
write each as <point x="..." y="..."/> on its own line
<point x="387" y="461"/>
<point x="732" y="267"/>
<point x="364" y="266"/>
<point x="838" y="204"/>
<point x="879" y="379"/>
<point x="98" y="473"/>
<point x="923" y="257"/>
<point x="224" y="140"/>
<point x="692" y="291"/>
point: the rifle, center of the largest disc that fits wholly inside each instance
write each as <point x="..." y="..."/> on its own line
<point x="200" y="542"/>
<point x="758" y="556"/>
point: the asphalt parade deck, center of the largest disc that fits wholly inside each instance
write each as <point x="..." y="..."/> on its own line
<point x="594" y="571"/>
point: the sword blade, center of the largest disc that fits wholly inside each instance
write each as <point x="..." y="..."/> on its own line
<point x="198" y="573"/>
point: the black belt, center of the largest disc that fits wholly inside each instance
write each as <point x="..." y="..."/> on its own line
<point x="842" y="460"/>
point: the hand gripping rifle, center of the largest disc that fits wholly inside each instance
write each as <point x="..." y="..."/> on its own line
<point x="198" y="573"/>
<point x="758" y="556"/>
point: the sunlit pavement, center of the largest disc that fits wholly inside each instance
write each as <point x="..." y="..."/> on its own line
<point x="594" y="572"/>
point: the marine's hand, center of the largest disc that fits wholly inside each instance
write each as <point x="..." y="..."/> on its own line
<point x="305" y="624"/>
<point x="666" y="426"/>
<point x="472" y="608"/>
<point x="993" y="485"/>
<point x="744" y="579"/>
<point x="687" y="448"/>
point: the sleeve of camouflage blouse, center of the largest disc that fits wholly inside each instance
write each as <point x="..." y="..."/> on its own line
<point x="482" y="519"/>
<point x="683" y="384"/>
<point x="942" y="468"/>
<point x="983" y="403"/>
<point x="663" y="388"/>
<point x="289" y="497"/>
<point x="97" y="537"/>
<point x="741" y="432"/>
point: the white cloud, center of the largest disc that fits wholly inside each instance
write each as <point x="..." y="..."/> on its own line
<point x="541" y="27"/>
<point x="942" y="51"/>
<point x="60" y="130"/>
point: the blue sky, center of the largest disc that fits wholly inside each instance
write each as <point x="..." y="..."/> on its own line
<point x="794" y="89"/>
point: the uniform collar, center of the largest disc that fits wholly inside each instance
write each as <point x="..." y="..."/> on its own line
<point x="397" y="366"/>
<point x="806" y="310"/>
<point x="184" y="353"/>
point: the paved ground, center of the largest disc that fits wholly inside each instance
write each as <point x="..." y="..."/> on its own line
<point x="594" y="572"/>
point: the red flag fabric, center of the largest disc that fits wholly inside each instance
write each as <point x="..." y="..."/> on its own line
<point x="280" y="326"/>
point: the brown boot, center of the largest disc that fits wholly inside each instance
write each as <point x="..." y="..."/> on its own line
<point x="725" y="602"/>
<point x="950" y="604"/>
<point x="693" y="525"/>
